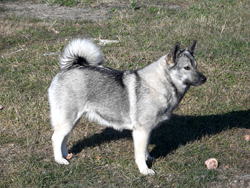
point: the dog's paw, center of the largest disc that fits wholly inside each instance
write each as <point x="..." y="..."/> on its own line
<point x="62" y="161"/>
<point x="148" y="172"/>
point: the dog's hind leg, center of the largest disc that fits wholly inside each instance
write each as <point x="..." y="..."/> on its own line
<point x="62" y="130"/>
<point x="59" y="143"/>
<point x="141" y="139"/>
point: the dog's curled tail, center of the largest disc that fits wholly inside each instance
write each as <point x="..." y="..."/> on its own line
<point x="81" y="52"/>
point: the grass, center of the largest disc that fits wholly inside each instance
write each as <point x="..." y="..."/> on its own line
<point x="211" y="121"/>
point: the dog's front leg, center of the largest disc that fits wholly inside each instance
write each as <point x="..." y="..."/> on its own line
<point x="141" y="139"/>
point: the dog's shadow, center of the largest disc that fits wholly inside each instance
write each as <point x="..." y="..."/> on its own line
<point x="178" y="131"/>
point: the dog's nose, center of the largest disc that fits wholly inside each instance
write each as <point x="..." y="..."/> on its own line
<point x="203" y="79"/>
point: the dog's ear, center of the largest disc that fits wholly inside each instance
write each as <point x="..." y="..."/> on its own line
<point x="173" y="54"/>
<point x="192" y="48"/>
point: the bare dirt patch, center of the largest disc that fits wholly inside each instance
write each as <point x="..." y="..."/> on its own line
<point x="45" y="11"/>
<point x="89" y="12"/>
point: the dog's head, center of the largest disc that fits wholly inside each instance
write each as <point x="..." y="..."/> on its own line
<point x="182" y="65"/>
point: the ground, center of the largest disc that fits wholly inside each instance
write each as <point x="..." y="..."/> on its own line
<point x="94" y="12"/>
<point x="210" y="122"/>
<point x="45" y="11"/>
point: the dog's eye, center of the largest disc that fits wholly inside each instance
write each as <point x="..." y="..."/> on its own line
<point x="187" y="68"/>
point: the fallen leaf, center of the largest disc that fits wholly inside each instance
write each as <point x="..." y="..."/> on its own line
<point x="55" y="31"/>
<point x="98" y="157"/>
<point x="69" y="156"/>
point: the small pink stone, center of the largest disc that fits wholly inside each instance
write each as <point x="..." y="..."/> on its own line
<point x="211" y="163"/>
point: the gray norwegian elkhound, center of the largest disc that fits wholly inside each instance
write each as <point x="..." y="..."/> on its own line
<point x="137" y="100"/>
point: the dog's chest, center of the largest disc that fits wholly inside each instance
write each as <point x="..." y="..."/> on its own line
<point x="170" y="103"/>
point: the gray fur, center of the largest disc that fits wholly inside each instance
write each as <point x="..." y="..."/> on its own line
<point x="136" y="100"/>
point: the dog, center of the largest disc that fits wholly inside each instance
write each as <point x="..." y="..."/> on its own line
<point x="137" y="100"/>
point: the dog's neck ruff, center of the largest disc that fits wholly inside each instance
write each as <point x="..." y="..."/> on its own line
<point x="145" y="83"/>
<point x="179" y="88"/>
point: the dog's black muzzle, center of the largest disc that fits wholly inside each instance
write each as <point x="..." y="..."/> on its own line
<point x="203" y="79"/>
<point x="199" y="79"/>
